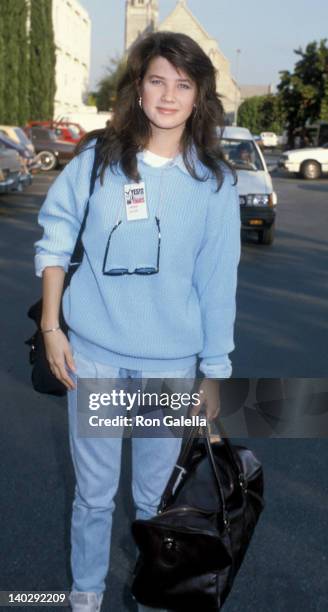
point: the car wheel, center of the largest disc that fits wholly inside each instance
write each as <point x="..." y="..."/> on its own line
<point x="266" y="236"/>
<point x="48" y="160"/>
<point x="311" y="170"/>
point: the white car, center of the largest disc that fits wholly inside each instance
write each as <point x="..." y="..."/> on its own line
<point x="256" y="195"/>
<point x="269" y="139"/>
<point x="310" y="163"/>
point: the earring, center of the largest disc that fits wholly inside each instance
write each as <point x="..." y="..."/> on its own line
<point x="140" y="102"/>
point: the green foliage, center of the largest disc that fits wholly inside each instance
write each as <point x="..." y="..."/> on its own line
<point x="261" y="113"/>
<point x="50" y="58"/>
<point x="304" y="92"/>
<point x="27" y="60"/>
<point x="39" y="62"/>
<point x="2" y="74"/>
<point x="302" y="96"/>
<point x="10" y="66"/>
<point x="324" y="102"/>
<point x="248" y="114"/>
<point x="106" y="92"/>
<point x="273" y="116"/>
<point x="23" y="110"/>
<point x="91" y="99"/>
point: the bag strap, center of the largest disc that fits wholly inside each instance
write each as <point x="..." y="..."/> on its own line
<point x="79" y="249"/>
<point x="181" y="467"/>
<point x="235" y="462"/>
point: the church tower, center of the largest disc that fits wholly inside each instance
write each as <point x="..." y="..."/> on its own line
<point x="141" y="16"/>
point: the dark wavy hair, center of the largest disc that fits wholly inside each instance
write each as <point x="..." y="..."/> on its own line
<point x="129" y="130"/>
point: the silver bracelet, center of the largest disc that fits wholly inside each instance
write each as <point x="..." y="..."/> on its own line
<point x="46" y="331"/>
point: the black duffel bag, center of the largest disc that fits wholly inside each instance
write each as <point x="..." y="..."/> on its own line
<point x="191" y="551"/>
<point x="43" y="380"/>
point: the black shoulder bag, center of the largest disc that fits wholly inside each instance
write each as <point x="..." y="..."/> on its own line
<point x="43" y="379"/>
<point x="191" y="551"/>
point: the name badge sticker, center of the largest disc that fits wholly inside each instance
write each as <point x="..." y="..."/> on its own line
<point x="135" y="201"/>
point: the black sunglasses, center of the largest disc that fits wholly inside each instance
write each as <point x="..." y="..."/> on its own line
<point x="144" y="271"/>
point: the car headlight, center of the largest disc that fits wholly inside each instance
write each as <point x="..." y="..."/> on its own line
<point x="258" y="199"/>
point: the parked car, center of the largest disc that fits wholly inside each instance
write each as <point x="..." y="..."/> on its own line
<point x="52" y="151"/>
<point x="88" y="120"/>
<point x="17" y="134"/>
<point x="24" y="176"/>
<point x="29" y="161"/>
<point x="64" y="130"/>
<point x="10" y="170"/>
<point x="257" y="198"/>
<point x="312" y="135"/>
<point x="258" y="141"/>
<point x="16" y="146"/>
<point x="283" y="139"/>
<point x="310" y="163"/>
<point x="269" y="139"/>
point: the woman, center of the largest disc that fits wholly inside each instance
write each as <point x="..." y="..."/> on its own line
<point x="156" y="288"/>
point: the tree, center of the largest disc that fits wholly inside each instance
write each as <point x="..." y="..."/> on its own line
<point x="248" y="114"/>
<point x="50" y="58"/>
<point x="23" y="110"/>
<point x="2" y="75"/>
<point x="272" y="114"/>
<point x="42" y="61"/>
<point x="261" y="113"/>
<point x="304" y="92"/>
<point x="27" y="60"/>
<point x="106" y="92"/>
<point x="91" y="99"/>
<point x="10" y="66"/>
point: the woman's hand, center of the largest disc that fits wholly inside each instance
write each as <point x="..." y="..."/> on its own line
<point x="59" y="355"/>
<point x="209" y="391"/>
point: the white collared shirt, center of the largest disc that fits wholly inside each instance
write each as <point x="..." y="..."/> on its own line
<point x="152" y="159"/>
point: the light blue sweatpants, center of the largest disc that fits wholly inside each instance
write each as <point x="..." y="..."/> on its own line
<point x="97" y="462"/>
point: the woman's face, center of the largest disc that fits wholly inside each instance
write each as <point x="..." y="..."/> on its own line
<point x="168" y="94"/>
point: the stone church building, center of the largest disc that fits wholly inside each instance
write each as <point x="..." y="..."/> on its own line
<point x="141" y="16"/>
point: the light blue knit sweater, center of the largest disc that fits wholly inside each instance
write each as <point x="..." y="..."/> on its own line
<point x="158" y="322"/>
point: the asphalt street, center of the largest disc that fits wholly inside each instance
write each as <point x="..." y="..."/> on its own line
<point x="281" y="332"/>
<point x="282" y="324"/>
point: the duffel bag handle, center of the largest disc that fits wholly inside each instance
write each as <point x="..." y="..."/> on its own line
<point x="181" y="466"/>
<point x="232" y="454"/>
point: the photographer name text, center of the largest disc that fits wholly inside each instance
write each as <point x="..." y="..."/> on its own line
<point x="142" y="421"/>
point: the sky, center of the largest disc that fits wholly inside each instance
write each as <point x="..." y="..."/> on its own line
<point x="265" y="31"/>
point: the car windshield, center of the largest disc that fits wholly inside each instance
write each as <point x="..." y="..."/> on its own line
<point x="22" y="136"/>
<point x="74" y="131"/>
<point x="242" y="154"/>
<point x="44" y="133"/>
